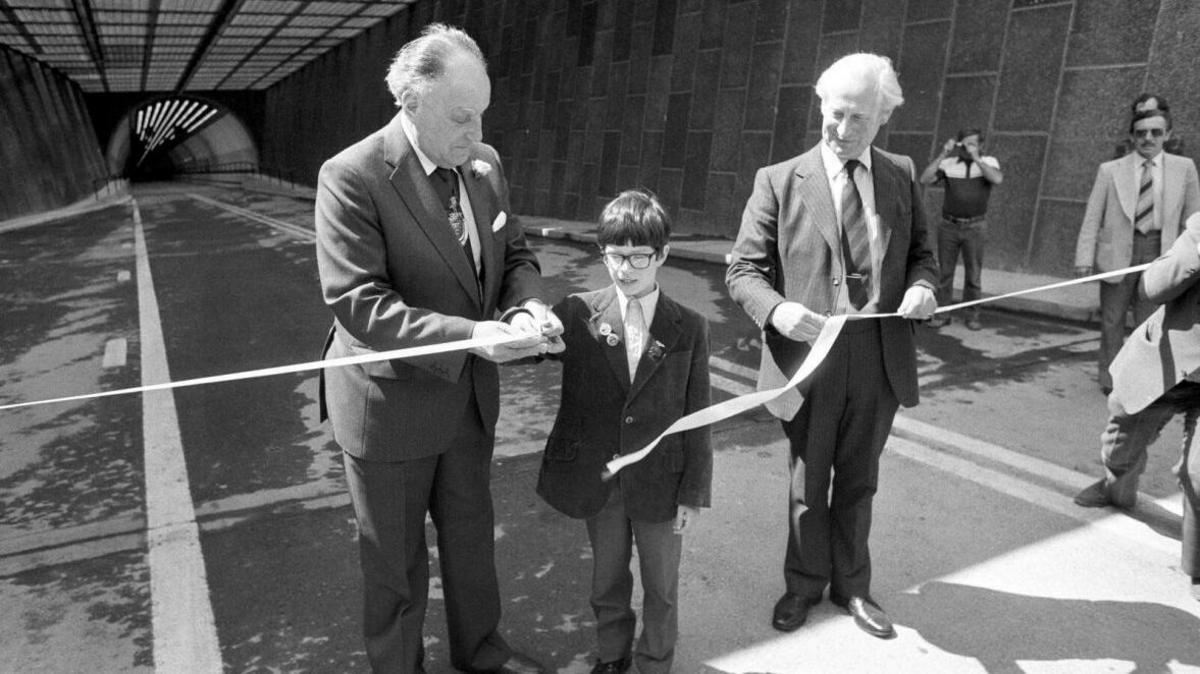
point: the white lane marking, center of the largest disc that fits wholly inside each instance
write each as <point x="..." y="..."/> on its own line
<point x="114" y="353"/>
<point x="285" y="227"/>
<point x="185" y="631"/>
<point x="123" y="276"/>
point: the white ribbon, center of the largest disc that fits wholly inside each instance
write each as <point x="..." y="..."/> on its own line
<point x="410" y="352"/>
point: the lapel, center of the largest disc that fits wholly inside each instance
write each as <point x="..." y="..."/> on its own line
<point x="1173" y="188"/>
<point x="663" y="329"/>
<point x="888" y="191"/>
<point x="483" y="207"/>
<point x="1125" y="181"/>
<point x="812" y="188"/>
<point x="410" y="182"/>
<point x="607" y="311"/>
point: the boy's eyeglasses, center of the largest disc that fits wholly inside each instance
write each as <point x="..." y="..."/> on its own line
<point x="637" y="260"/>
<point x="1157" y="133"/>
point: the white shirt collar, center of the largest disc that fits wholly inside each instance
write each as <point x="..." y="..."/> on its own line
<point x="834" y="164"/>
<point x="649" y="302"/>
<point x="410" y="133"/>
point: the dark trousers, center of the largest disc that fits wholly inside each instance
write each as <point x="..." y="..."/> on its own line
<point x="1124" y="445"/>
<point x="613" y="535"/>
<point x="838" y="433"/>
<point x="968" y="239"/>
<point x="391" y="500"/>
<point x="1117" y="298"/>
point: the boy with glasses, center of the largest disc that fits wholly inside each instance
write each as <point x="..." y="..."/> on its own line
<point x="635" y="362"/>
<point x="1135" y="212"/>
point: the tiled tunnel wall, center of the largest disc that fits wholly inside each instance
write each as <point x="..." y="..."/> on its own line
<point x="689" y="97"/>
<point x="49" y="156"/>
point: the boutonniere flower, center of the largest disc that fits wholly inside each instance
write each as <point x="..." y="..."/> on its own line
<point x="606" y="331"/>
<point x="480" y="168"/>
<point x="657" y="350"/>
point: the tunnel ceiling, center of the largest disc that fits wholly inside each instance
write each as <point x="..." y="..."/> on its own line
<point x="183" y="45"/>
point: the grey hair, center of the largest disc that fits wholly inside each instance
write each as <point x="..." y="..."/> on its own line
<point x="863" y="66"/>
<point x="423" y="60"/>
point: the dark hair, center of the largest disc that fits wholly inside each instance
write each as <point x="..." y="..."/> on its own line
<point x="1149" y="114"/>
<point x="1162" y="103"/>
<point x="634" y="217"/>
<point x="968" y="132"/>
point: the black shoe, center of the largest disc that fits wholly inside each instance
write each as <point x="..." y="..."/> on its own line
<point x="521" y="664"/>
<point x="869" y="617"/>
<point x="614" y="667"/>
<point x="791" y="611"/>
<point x="1094" y="496"/>
<point x="938" y="321"/>
<point x="974" y="324"/>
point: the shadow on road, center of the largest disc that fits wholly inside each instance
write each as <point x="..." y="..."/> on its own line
<point x="1001" y="629"/>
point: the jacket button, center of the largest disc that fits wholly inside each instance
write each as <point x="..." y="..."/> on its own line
<point x="837" y="281"/>
<point x="629" y="420"/>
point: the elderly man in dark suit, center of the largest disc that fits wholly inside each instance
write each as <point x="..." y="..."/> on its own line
<point x="1156" y="375"/>
<point x="838" y="230"/>
<point x="416" y="245"/>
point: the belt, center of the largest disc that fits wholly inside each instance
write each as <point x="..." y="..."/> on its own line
<point x="963" y="221"/>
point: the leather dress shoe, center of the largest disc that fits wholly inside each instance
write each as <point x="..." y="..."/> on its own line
<point x="613" y="667"/>
<point x="1093" y="496"/>
<point x="973" y="323"/>
<point x="939" y="321"/>
<point x="869" y="617"/>
<point x="791" y="611"/>
<point x="521" y="664"/>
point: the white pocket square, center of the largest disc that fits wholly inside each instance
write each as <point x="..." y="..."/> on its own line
<point x="498" y="223"/>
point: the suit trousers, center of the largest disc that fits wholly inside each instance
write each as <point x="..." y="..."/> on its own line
<point x="1188" y="470"/>
<point x="1117" y="298"/>
<point x="1126" y="438"/>
<point x="612" y="535"/>
<point x="390" y="501"/>
<point x="967" y="238"/>
<point x="841" y="429"/>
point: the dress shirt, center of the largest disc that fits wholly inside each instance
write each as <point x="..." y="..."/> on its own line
<point x="649" y="303"/>
<point x="464" y="201"/>
<point x="836" y="175"/>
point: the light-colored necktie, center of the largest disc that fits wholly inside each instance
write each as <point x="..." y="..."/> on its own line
<point x="1144" y="220"/>
<point x="635" y="334"/>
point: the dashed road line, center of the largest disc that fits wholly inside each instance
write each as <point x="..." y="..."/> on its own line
<point x="115" y="351"/>
<point x="182" y="622"/>
<point x="285" y="227"/>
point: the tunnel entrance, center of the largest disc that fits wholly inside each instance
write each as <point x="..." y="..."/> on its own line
<point x="178" y="135"/>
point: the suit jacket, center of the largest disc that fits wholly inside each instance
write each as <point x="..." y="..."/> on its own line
<point x="1105" y="240"/>
<point x="603" y="414"/>
<point x="789" y="247"/>
<point x="1165" y="349"/>
<point x="395" y="276"/>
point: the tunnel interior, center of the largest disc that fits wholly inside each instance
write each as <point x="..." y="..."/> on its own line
<point x="172" y="136"/>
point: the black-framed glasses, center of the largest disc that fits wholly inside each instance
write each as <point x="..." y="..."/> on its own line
<point x="1157" y="133"/>
<point x="636" y="260"/>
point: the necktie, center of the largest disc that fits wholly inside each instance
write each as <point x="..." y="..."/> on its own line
<point x="856" y="241"/>
<point x="635" y="334"/>
<point x="445" y="183"/>
<point x="1144" y="220"/>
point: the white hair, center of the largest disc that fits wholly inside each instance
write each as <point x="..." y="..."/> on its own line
<point x="864" y="67"/>
<point x="423" y="60"/>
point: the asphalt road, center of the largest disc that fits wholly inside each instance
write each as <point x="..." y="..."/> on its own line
<point x="209" y="529"/>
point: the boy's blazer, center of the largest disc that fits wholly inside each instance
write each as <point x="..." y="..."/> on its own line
<point x="1165" y="349"/>
<point x="603" y="415"/>
<point x="395" y="276"/>
<point x="789" y="247"/>
<point x="1105" y="240"/>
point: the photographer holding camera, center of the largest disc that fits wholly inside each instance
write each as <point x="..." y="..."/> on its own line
<point x="968" y="176"/>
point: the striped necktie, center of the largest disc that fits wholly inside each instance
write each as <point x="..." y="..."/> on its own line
<point x="856" y="241"/>
<point x="635" y="334"/>
<point x="1144" y="220"/>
